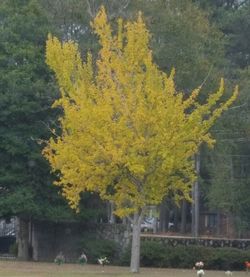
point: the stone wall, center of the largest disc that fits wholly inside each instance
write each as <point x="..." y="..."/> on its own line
<point x="120" y="233"/>
<point x="48" y="239"/>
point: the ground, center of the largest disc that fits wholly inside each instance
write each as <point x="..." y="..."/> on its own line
<point x="32" y="269"/>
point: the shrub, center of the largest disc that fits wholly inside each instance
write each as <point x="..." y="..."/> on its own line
<point x="13" y="249"/>
<point x="228" y="258"/>
<point x="152" y="253"/>
<point x="187" y="256"/>
<point x="125" y="256"/>
<point x="96" y="248"/>
<point x="156" y="254"/>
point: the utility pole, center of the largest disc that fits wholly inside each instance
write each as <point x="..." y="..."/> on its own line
<point x="195" y="199"/>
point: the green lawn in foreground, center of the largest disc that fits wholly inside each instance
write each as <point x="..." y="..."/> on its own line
<point x="32" y="269"/>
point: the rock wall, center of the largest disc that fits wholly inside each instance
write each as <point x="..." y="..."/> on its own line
<point x="48" y="239"/>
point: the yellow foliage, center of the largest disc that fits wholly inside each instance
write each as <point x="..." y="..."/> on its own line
<point x="126" y="132"/>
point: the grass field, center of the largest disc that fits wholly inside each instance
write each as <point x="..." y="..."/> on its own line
<point x="32" y="269"/>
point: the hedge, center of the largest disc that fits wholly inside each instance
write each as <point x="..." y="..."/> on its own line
<point x="97" y="248"/>
<point x="155" y="254"/>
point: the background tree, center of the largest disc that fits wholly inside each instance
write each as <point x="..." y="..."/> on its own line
<point x="183" y="37"/>
<point x="226" y="167"/>
<point x="126" y="133"/>
<point x="26" y="94"/>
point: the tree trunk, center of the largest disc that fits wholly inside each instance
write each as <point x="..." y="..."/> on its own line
<point x="164" y="216"/>
<point x="183" y="216"/>
<point x="176" y="218"/>
<point x="195" y="210"/>
<point x="135" y="249"/>
<point x="23" y="239"/>
<point x="155" y="220"/>
<point x="111" y="213"/>
<point x="34" y="243"/>
<point x="195" y="198"/>
<point x="218" y="224"/>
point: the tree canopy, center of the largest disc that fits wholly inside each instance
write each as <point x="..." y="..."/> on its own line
<point x="126" y="132"/>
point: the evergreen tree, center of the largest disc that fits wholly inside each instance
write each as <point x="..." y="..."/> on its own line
<point x="26" y="93"/>
<point x="226" y="168"/>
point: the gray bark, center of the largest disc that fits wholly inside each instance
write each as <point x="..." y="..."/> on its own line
<point x="135" y="249"/>
<point x="111" y="213"/>
<point x="34" y="243"/>
<point x="23" y="239"/>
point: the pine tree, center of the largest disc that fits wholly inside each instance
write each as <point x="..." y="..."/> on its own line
<point x="26" y="93"/>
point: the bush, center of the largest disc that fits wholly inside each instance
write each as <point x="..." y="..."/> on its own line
<point x="152" y="253"/>
<point x="228" y="258"/>
<point x="13" y="249"/>
<point x="96" y="248"/>
<point x="125" y="256"/>
<point x="156" y="254"/>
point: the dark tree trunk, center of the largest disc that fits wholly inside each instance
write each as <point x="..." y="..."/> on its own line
<point x="164" y="216"/>
<point x="183" y="216"/>
<point x="23" y="239"/>
<point x="34" y="242"/>
<point x="218" y="224"/>
<point x="176" y="218"/>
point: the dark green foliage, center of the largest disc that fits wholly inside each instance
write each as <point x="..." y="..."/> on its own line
<point x="184" y="39"/>
<point x="71" y="20"/>
<point x="233" y="19"/>
<point x="168" y="256"/>
<point x="225" y="169"/>
<point x="227" y="258"/>
<point x="154" y="254"/>
<point x="182" y="36"/>
<point x="97" y="248"/>
<point x="13" y="249"/>
<point x="26" y="93"/>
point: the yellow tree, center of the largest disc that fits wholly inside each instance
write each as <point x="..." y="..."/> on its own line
<point x="126" y="132"/>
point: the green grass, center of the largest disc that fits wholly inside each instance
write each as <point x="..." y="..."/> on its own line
<point x="33" y="269"/>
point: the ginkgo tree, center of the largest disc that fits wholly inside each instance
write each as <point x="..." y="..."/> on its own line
<point x="126" y="132"/>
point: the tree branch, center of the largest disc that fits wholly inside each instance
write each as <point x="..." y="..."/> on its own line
<point x="89" y="10"/>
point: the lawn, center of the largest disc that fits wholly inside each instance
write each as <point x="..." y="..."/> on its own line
<point x="32" y="269"/>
